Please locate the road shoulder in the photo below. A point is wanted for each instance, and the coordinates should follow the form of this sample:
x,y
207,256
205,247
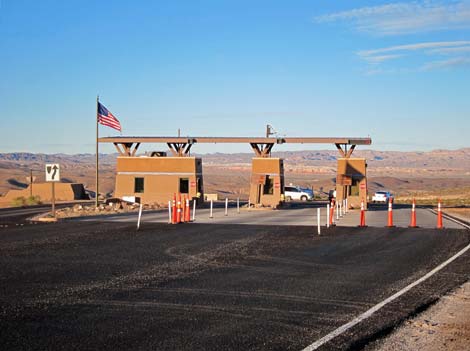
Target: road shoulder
x,y
444,326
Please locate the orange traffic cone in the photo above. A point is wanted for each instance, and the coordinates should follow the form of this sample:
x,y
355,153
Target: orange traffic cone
x,y
439,216
332,213
173,207
178,209
183,209
413,215
188,211
186,208
390,213
363,216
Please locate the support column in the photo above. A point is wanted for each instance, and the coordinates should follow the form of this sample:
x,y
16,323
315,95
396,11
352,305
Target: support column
x,y
181,149
262,150
127,149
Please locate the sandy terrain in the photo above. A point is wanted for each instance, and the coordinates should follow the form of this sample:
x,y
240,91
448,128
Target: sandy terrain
x,y
444,326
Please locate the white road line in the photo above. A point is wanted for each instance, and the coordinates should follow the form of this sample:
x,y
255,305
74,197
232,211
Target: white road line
x,y
377,307
450,218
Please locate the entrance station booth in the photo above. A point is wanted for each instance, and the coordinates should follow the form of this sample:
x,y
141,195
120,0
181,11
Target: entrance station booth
x,y
267,181
351,181
156,179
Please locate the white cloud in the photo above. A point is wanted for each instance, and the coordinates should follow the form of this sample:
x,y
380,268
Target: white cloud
x,y
376,57
405,18
450,51
414,47
447,64
380,58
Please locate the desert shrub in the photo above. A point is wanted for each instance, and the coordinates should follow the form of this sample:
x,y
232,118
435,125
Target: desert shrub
x,y
33,200
29,201
18,201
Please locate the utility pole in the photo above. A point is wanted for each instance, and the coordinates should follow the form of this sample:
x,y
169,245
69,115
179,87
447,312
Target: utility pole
x,y
30,183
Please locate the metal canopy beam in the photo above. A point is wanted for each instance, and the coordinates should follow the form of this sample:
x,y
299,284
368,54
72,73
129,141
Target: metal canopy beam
x,y
257,140
181,146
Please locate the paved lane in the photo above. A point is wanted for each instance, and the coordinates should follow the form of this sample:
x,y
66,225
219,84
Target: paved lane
x,y
378,217
297,215
90,285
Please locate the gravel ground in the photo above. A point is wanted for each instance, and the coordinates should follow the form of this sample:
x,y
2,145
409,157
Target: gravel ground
x,y
445,326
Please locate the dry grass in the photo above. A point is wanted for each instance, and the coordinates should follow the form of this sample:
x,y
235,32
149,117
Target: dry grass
x,y
448,197
463,213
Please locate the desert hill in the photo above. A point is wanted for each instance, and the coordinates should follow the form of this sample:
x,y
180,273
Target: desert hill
x,y
402,172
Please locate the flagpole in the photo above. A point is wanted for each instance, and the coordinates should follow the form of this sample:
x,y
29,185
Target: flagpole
x,y
96,179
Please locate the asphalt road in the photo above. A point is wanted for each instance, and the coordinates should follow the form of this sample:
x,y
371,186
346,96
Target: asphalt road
x,y
296,214
96,285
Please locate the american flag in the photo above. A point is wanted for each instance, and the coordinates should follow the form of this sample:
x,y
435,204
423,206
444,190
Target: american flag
x,y
106,118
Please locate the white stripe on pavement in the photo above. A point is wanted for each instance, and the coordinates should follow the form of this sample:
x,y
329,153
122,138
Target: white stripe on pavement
x,y
377,307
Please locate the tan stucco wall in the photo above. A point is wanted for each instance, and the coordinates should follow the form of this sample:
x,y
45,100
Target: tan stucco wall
x,y
161,177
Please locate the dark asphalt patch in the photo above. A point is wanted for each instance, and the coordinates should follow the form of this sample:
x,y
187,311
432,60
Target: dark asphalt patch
x,y
210,287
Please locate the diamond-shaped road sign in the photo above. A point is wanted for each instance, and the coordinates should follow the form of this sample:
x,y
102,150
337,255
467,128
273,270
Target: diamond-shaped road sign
x,y
52,172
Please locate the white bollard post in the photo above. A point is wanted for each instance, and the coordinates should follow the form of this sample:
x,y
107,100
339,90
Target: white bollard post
x,y
238,205
346,205
140,216
226,206
194,210
210,214
169,212
328,215
249,204
318,220
337,211
341,209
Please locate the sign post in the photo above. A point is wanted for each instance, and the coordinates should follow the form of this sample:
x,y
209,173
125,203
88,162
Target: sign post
x,y
53,176
30,180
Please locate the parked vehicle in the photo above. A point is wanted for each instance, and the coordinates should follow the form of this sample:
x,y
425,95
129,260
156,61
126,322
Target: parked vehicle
x,y
382,196
297,193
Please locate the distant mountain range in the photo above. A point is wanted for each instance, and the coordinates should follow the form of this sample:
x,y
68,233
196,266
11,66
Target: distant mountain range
x,y
455,159
28,157
447,159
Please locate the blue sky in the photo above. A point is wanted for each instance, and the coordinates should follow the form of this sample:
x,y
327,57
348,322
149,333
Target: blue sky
x,y
396,71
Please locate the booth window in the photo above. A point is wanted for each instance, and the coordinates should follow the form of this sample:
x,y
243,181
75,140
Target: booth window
x,y
354,188
268,188
138,185
184,185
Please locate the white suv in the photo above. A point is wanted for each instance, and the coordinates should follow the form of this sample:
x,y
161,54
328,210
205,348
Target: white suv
x,y
382,196
297,193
